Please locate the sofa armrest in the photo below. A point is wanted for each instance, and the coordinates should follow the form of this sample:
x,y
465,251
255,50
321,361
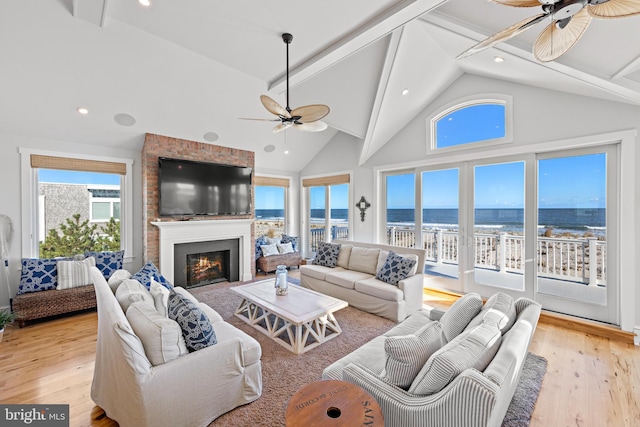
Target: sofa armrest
x,y
412,287
467,401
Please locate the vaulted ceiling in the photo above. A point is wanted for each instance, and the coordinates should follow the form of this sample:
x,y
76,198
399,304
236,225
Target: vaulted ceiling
x,y
186,68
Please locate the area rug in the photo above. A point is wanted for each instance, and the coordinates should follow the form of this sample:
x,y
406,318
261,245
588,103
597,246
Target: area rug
x,y
526,394
283,372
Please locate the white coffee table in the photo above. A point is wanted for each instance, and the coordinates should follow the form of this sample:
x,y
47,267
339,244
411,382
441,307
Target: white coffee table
x,y
299,321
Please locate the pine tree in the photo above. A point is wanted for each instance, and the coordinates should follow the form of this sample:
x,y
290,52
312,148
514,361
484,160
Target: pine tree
x,y
109,238
74,237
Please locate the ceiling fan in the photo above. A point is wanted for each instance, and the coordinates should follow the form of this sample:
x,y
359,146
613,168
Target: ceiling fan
x,y
305,118
569,20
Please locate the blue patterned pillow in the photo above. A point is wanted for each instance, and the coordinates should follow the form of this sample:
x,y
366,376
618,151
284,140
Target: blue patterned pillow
x,y
260,241
150,272
196,327
291,239
395,268
107,262
327,254
39,274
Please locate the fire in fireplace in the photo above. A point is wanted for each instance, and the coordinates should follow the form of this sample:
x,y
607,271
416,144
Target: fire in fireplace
x,y
208,267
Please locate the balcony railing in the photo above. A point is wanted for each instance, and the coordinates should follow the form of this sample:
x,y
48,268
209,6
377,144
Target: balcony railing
x,y
579,260
317,235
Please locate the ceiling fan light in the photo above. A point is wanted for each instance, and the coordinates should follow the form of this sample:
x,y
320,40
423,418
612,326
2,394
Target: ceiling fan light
x,y
405,91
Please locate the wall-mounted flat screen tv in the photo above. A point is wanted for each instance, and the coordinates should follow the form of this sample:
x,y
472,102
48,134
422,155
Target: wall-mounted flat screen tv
x,y
197,188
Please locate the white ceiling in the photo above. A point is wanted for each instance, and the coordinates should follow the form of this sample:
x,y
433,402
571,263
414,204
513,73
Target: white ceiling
x,y
183,68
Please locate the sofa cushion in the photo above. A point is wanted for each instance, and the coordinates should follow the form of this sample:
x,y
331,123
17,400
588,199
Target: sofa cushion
x,y
107,262
196,327
411,324
395,268
471,349
117,277
251,350
160,296
345,278
379,289
150,272
343,256
317,271
39,274
499,302
371,355
290,239
72,274
458,316
130,291
364,259
406,355
161,337
269,249
327,254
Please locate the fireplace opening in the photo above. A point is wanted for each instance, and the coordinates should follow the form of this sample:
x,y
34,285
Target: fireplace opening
x,y
207,268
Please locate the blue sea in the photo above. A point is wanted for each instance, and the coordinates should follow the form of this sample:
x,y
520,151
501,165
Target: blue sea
x,y
577,221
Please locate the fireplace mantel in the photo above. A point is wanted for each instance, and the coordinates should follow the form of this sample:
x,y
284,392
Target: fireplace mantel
x,y
176,232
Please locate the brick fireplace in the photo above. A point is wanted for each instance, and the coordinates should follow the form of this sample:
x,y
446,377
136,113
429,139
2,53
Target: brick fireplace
x,y
202,228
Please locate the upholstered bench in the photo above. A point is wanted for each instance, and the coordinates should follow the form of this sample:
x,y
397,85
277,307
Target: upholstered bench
x,y
269,263
38,305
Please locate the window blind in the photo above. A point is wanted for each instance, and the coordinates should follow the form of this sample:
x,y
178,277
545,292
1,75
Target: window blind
x,y
271,182
326,180
71,164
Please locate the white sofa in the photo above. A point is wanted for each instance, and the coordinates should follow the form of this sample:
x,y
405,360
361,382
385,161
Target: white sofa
x,y
476,373
354,280
192,389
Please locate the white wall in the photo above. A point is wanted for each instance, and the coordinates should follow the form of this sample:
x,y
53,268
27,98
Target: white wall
x,y
10,197
539,116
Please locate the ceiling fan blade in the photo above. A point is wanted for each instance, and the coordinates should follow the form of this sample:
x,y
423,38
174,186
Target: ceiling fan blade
x,y
503,35
261,120
518,3
615,9
310,113
315,126
282,126
273,107
554,42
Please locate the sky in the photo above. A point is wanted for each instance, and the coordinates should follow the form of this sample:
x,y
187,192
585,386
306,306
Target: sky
x,y
73,177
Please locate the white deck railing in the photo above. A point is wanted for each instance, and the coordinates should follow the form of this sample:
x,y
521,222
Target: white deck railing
x,y
577,260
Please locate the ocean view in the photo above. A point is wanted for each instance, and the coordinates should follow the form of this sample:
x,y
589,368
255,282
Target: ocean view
x,y
570,220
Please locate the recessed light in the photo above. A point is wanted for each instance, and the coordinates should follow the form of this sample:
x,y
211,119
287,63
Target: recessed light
x,y
498,59
211,136
124,119
146,3
286,151
405,91
82,110
269,148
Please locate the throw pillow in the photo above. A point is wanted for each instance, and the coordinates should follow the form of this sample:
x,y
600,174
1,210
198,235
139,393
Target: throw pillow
x,y
272,240
259,242
161,337
131,291
72,274
364,260
117,277
499,302
160,296
107,262
471,349
291,239
395,269
196,327
38,274
268,250
406,355
327,254
285,248
458,316
148,273
343,256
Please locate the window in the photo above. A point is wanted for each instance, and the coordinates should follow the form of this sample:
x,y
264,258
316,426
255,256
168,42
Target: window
x,y
271,206
69,198
472,122
328,209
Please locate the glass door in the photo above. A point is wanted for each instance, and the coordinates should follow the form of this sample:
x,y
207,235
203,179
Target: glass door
x,y
576,204
400,193
496,237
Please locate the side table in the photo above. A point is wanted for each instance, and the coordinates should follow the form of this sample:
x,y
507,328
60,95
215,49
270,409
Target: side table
x,y
333,403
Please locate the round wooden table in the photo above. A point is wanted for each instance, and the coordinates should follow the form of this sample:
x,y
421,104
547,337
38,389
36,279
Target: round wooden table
x,y
333,403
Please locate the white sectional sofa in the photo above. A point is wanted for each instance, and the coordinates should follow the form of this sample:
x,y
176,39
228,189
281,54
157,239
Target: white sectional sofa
x,y
353,279
146,377
464,374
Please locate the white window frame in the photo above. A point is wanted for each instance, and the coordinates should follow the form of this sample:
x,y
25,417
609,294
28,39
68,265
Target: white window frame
x,y
30,200
109,200
480,99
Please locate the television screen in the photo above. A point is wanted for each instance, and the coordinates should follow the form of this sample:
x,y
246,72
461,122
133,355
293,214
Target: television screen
x,y
198,188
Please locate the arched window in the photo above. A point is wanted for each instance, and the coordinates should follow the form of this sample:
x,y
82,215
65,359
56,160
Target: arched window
x,y
478,121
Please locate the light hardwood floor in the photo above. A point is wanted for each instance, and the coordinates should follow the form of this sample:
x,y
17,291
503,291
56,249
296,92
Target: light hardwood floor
x,y
590,381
